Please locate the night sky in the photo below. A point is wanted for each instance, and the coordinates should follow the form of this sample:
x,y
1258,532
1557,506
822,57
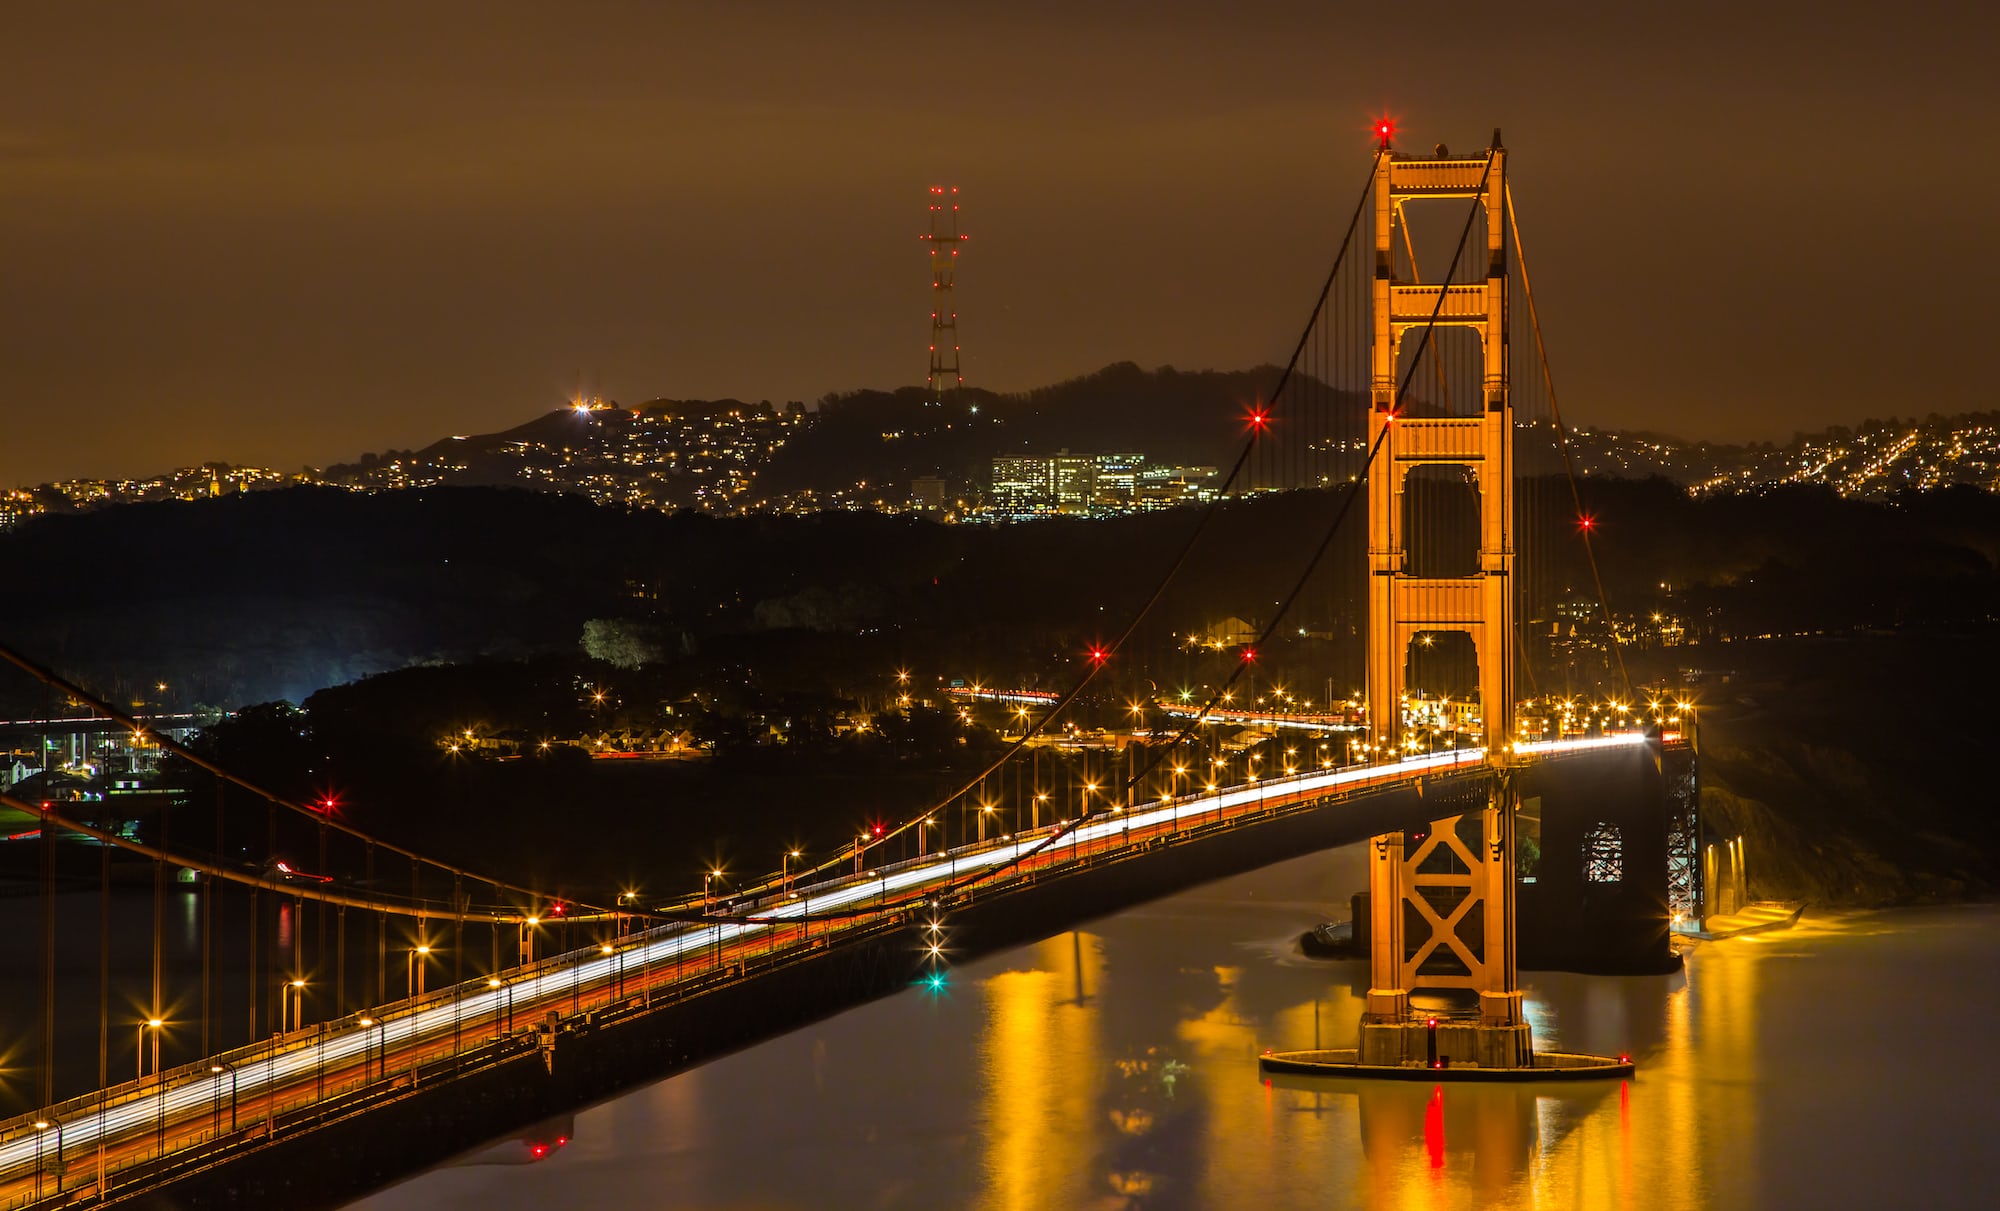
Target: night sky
x,y
281,234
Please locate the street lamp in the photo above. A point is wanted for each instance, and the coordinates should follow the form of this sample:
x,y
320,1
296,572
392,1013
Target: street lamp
x,y
383,1034
617,958
785,869
139,1045
707,879
291,1005
42,1124
414,969
216,1070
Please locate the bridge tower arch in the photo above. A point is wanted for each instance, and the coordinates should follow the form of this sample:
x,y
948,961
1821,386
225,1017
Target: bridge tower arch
x,y
1456,882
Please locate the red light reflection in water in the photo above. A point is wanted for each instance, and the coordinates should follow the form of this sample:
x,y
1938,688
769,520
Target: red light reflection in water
x,y
1434,1127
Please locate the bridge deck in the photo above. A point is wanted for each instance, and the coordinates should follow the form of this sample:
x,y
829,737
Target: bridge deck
x,y
244,1098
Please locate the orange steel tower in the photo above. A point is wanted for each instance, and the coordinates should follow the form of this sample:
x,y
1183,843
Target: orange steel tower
x,y
944,239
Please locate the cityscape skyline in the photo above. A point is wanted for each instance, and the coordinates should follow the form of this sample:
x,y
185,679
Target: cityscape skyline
x,y
707,455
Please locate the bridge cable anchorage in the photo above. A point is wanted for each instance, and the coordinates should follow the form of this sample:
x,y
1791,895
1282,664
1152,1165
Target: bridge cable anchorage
x,y
1202,521
54,680
1562,441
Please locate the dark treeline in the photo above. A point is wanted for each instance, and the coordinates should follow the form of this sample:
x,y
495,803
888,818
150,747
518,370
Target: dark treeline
x,y
276,595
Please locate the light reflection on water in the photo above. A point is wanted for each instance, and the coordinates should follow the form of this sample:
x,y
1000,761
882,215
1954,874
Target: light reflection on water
x,y
1115,1067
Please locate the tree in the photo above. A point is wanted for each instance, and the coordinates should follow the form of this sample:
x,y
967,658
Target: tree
x,y
622,642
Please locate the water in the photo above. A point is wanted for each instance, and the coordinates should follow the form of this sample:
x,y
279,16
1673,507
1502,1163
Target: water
x,y
1846,1063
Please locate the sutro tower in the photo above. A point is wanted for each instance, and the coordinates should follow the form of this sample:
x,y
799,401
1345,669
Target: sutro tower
x,y
944,240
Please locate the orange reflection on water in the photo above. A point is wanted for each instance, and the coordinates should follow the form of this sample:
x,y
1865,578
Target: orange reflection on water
x,y
1041,1062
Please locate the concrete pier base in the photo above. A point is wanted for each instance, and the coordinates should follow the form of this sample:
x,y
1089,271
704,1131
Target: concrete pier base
x,y
1446,1042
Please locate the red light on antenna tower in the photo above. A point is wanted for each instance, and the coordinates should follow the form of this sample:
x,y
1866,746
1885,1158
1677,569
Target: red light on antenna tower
x,y
1385,132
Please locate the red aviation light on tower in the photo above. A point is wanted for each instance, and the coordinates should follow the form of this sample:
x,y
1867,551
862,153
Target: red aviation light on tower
x,y
1384,129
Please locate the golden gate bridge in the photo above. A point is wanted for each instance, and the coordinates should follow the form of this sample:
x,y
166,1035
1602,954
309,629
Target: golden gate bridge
x,y
1399,407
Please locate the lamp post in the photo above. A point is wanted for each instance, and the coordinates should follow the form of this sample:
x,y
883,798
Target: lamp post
x,y
291,1004
527,939
414,969
1082,814
159,1082
367,1055
139,1046
217,1070
646,971
785,869
617,958
41,1125
506,990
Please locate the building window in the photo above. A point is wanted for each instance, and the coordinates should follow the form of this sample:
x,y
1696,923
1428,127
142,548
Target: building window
x,y
1603,854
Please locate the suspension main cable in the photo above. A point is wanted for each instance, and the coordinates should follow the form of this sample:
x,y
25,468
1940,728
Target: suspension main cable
x,y
1101,656
1562,443
48,814
1354,488
55,680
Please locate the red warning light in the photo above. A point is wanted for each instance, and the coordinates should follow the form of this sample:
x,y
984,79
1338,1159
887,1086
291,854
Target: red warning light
x,y
1249,655
1259,419
1586,523
1099,655
1385,132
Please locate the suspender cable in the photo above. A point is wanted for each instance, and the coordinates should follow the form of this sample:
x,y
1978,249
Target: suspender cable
x,y
1562,443
1319,552
1101,656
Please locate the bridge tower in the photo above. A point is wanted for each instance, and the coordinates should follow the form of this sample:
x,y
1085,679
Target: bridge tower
x,y
1454,882
1402,606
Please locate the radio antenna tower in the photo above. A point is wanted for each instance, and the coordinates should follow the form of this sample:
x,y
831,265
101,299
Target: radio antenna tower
x,y
944,239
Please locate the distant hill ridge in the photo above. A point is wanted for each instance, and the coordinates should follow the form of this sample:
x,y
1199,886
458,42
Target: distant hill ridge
x,y
853,445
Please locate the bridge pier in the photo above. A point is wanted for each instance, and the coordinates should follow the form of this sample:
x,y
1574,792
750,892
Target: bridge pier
x,y
1457,886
